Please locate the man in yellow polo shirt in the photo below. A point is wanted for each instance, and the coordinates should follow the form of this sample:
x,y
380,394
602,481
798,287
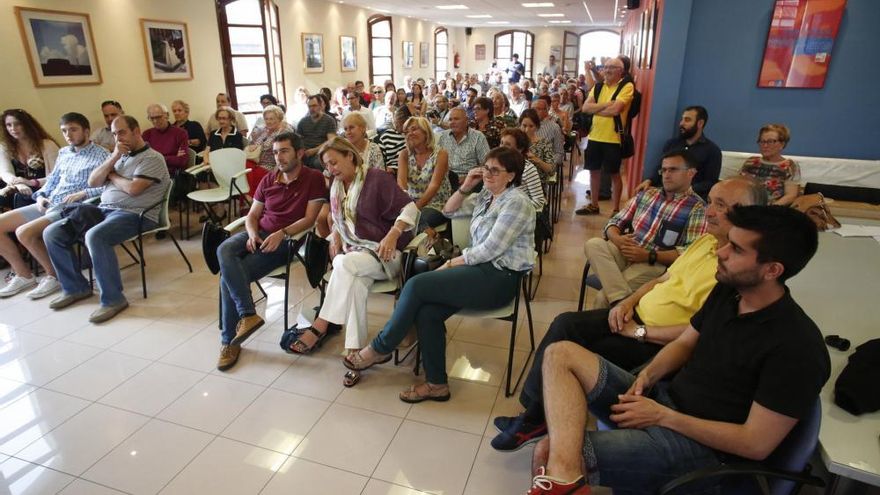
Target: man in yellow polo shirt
x,y
603,142
632,332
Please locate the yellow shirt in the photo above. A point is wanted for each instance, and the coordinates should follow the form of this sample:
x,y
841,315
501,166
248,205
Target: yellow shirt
x,y
603,127
691,278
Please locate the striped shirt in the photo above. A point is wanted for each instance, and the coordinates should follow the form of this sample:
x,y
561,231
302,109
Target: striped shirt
x,y
466,154
392,143
661,223
502,231
550,131
531,185
71,173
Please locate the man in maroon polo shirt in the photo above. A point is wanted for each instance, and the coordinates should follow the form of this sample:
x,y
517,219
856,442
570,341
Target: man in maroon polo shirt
x,y
286,202
163,137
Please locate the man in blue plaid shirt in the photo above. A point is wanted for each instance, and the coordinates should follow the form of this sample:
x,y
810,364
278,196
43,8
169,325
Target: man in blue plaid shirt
x,y
67,183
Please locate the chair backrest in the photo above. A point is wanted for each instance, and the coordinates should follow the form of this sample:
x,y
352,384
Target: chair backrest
x,y
796,449
164,222
227,162
190,157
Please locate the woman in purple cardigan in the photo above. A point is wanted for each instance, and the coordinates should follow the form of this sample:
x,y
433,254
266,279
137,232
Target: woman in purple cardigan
x,y
370,219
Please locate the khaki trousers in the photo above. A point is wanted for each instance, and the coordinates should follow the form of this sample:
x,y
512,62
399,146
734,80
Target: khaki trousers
x,y
618,276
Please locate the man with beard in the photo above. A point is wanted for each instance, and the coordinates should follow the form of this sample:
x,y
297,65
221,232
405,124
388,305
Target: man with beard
x,y
749,366
315,128
286,202
706,153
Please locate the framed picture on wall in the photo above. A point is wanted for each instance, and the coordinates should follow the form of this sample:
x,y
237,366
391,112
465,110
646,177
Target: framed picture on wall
x,y
166,48
479,52
59,46
313,52
348,53
408,54
423,54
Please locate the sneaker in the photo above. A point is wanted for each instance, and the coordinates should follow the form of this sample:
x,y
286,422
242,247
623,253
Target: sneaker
x,y
518,434
503,422
65,300
590,209
49,285
547,485
228,356
246,327
105,313
16,285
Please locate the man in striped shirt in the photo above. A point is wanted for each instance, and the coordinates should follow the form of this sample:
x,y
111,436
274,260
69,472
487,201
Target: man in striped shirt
x,y
68,183
649,233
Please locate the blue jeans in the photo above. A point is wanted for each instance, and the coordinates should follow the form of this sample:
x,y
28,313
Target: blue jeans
x,y
429,299
238,268
632,460
117,227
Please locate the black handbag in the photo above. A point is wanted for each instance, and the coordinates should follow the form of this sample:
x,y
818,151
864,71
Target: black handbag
x,y
316,257
444,251
212,236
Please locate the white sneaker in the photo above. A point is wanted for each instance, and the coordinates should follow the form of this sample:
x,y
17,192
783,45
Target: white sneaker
x,y
16,285
49,285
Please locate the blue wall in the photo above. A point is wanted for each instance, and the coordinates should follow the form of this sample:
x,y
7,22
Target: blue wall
x,y
725,45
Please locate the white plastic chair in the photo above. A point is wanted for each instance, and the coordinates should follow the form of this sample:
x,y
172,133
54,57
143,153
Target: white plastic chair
x,y
228,166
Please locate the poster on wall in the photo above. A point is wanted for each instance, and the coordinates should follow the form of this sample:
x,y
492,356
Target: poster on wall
x,y
166,48
348,53
313,52
799,43
423,54
409,48
59,46
479,52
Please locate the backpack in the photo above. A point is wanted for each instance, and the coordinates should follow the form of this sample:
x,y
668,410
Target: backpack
x,y
627,144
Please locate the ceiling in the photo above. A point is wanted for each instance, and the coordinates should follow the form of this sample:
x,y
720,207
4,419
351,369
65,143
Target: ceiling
x,y
504,13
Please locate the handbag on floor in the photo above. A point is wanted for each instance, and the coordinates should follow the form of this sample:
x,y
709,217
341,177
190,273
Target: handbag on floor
x,y
814,206
212,236
316,257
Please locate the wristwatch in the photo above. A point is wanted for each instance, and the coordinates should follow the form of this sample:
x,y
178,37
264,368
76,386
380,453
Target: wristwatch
x,y
652,256
641,333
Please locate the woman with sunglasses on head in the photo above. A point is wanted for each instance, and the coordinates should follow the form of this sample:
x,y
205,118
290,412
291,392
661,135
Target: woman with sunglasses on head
x,y
485,276
27,156
781,176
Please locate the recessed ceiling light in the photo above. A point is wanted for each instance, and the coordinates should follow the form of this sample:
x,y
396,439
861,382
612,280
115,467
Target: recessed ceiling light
x,y
497,22
551,15
533,5
479,16
453,7
560,22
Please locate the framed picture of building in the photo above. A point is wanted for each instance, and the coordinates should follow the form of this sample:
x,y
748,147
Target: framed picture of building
x,y
313,52
166,48
408,54
423,54
60,47
348,53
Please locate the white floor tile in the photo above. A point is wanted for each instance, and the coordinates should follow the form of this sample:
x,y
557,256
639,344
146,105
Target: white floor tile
x,y
376,487
82,440
478,363
153,389
15,344
42,366
105,336
211,404
83,487
303,477
11,391
198,353
349,438
317,375
18,477
33,416
58,324
155,340
226,467
468,409
500,473
98,375
429,458
378,390
277,420
149,459
260,363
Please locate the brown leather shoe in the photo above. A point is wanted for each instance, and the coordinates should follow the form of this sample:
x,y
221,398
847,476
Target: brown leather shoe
x,y
228,356
246,327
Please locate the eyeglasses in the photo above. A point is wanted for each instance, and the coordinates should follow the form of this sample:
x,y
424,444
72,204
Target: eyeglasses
x,y
492,171
769,141
155,117
378,92
670,170
611,67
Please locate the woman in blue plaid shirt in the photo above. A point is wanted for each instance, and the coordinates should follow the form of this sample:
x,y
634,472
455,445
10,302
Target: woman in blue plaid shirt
x,y
485,276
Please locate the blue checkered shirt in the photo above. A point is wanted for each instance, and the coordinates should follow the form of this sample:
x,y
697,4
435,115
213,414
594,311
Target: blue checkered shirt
x,y
502,231
467,154
71,173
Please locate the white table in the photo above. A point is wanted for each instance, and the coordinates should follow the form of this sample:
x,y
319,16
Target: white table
x,y
839,290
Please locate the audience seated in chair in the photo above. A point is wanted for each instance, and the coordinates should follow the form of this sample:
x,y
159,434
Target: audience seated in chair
x,y
780,175
238,118
27,156
638,326
196,134
286,202
134,178
485,276
664,222
104,136
467,147
172,142
422,172
67,184
750,366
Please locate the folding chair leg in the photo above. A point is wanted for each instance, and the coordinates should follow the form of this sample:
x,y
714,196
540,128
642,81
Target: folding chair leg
x,y
583,293
507,390
179,250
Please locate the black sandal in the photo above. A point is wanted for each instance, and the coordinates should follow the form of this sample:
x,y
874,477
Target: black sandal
x,y
351,378
300,347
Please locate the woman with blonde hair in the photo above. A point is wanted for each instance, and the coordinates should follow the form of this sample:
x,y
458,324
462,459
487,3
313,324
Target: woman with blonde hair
x,y
355,127
781,176
194,130
261,144
422,172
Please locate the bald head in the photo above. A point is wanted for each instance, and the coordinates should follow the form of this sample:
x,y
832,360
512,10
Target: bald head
x,y
736,191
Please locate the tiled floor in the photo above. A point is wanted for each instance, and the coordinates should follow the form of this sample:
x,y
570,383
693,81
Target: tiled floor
x,y
136,405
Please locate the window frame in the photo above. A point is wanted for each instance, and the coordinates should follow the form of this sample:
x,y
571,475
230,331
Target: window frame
x,y
371,21
528,62
437,76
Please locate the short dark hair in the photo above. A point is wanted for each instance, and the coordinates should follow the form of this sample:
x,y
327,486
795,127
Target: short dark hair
x,y
787,236
531,114
358,82
515,55
293,138
471,89
316,96
487,104
702,113
267,96
687,156
511,159
546,99
111,102
519,136
76,118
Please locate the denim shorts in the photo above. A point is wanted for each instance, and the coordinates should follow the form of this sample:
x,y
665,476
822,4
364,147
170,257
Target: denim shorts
x,y
32,212
636,460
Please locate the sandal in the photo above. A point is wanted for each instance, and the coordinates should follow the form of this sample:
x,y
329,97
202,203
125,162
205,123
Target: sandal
x,y
300,347
351,378
355,362
439,393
